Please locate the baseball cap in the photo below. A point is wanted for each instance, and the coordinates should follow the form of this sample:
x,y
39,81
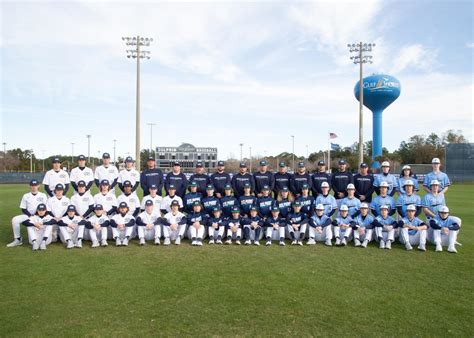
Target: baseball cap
x,y
435,160
81,158
81,183
215,209
305,186
242,165
301,165
444,209
148,203
297,204
384,207
123,205
151,158
275,208
364,165
56,160
176,163
59,186
341,162
282,165
383,184
172,187
196,203
434,182
41,206
71,208
235,210
325,185
193,184
406,166
321,163
209,187
174,202
34,182
129,159
153,186
319,207
98,207
344,208
364,206
220,163
253,208
408,182
104,182
385,164
227,187
350,186
284,189
199,165
411,207
247,185
127,184
263,163
265,187
105,155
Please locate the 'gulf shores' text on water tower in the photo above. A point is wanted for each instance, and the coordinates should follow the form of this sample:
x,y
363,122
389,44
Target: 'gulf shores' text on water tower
x,y
379,92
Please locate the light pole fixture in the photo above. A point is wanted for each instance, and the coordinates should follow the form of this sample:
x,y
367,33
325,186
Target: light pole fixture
x,y
115,143
293,151
241,145
88,148
4,156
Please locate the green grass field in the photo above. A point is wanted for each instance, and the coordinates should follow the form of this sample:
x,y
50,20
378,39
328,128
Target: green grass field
x,y
230,290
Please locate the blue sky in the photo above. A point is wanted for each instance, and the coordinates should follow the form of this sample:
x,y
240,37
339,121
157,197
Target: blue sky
x,y
224,73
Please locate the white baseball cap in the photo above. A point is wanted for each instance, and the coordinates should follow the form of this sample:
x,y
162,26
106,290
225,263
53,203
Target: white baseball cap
x,y
408,182
411,207
406,166
320,207
350,186
444,209
385,164
383,184
435,160
325,185
384,206
434,182
364,206
344,208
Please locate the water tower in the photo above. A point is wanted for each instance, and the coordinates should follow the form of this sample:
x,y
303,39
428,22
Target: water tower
x,y
379,92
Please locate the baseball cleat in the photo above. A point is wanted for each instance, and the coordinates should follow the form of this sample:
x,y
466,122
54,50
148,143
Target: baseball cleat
x,y
118,242
157,241
421,248
365,243
16,242
408,246
177,241
142,241
125,242
42,246
388,245
300,243
104,243
219,241
382,244
257,243
35,245
194,243
70,244
439,248
237,242
294,242
79,243
338,242
268,243
229,241
311,241
95,244
199,243
248,242
167,241
328,242
282,243
344,242
356,242
211,241
452,249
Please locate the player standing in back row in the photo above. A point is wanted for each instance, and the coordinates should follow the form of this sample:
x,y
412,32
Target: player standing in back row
x,y
220,179
82,173
106,171
176,179
54,177
340,180
151,176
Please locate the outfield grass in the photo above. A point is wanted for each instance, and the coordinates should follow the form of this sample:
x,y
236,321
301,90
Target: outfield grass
x,y
222,290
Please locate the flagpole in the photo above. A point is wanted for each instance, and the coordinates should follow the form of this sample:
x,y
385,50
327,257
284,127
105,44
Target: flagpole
x,y
329,152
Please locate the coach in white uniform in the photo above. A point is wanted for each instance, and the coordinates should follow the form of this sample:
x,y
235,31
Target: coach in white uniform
x,y
28,205
106,171
82,173
54,177
129,174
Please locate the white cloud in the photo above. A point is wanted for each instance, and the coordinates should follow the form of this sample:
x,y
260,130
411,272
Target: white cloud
x,y
415,57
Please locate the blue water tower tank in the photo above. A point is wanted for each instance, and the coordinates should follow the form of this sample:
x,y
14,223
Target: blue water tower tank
x,y
380,91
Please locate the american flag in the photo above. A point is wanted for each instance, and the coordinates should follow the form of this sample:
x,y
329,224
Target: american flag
x,y
332,135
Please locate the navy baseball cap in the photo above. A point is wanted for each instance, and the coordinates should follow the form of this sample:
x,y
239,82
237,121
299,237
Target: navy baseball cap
x,y
174,202
81,183
199,165
196,203
242,165
297,204
215,209
127,184
275,208
193,184
176,163
59,186
282,164
151,158
364,165
235,210
34,182
321,163
148,203
220,164
98,207
227,187
305,186
341,162
210,187
172,187
81,158
263,163
153,186
71,208
247,185
41,206
129,159
123,205
104,182
105,155
265,187
253,208
285,189
300,164
56,160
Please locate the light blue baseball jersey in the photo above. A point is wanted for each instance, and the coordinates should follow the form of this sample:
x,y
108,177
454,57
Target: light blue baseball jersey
x,y
378,201
352,203
402,180
364,222
414,222
441,177
343,220
385,221
449,222
328,201
404,201
432,202
389,178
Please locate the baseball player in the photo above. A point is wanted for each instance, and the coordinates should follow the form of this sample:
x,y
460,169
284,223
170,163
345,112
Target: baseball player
x,y
296,222
386,176
319,177
383,199
168,200
438,175
130,198
97,225
228,202
339,181
174,224
328,201
220,179
83,200
210,201
28,205
282,178
39,228
306,201
351,201
247,200
151,176
275,227
444,230
364,184
202,180
263,178
216,226
408,198
106,171
191,197
413,230
342,226
71,228
234,226
54,177
299,178
406,175
241,179
176,179
57,207
284,201
106,198
123,225
149,224
433,201
265,202
253,227
197,220
81,173
385,227
154,197
129,174
320,227
364,227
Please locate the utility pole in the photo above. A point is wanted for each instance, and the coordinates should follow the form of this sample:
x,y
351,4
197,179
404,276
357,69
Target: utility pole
x,y
360,59
115,142
31,161
72,153
88,148
250,158
4,156
151,137
307,155
137,54
241,145
293,151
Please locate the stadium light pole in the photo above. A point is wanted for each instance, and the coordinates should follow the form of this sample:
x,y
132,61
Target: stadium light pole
x,y
4,156
115,143
307,156
88,148
151,136
360,58
241,145
31,161
72,152
138,54
250,158
293,151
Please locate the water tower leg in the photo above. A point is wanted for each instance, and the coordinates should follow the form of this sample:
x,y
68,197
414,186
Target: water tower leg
x,y
377,137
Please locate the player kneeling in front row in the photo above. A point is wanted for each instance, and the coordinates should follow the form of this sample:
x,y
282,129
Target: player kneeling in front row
x,y
297,222
413,230
343,225
97,225
197,222
275,227
40,227
253,227
123,225
364,227
234,226
216,226
320,227
149,224
444,230
174,224
71,228
385,228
